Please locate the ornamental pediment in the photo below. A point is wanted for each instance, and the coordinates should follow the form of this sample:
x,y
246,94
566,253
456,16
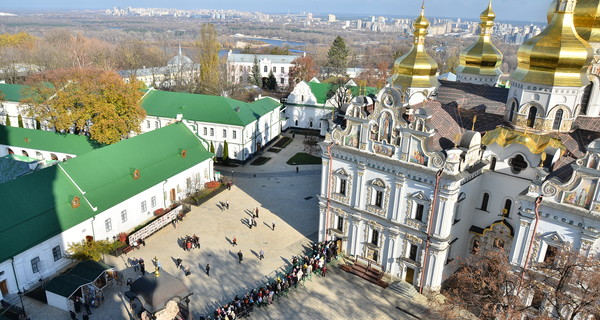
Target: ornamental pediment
x,y
554,237
420,195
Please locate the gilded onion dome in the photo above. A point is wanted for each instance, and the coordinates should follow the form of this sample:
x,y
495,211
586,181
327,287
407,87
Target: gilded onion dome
x,y
558,56
586,19
482,58
416,69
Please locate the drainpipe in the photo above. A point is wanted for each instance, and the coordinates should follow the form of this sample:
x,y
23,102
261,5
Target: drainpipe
x,y
538,202
328,191
15,273
436,191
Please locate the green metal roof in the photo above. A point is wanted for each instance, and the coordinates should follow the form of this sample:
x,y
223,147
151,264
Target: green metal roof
x,y
83,273
39,204
321,90
46,140
12,92
205,108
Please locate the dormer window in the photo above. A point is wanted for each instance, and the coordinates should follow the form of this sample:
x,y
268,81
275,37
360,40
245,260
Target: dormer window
x,y
183,153
136,174
75,202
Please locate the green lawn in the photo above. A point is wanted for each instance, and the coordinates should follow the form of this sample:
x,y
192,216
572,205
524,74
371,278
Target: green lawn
x,y
303,158
283,142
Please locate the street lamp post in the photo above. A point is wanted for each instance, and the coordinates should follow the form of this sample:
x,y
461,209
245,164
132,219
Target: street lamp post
x,y
22,305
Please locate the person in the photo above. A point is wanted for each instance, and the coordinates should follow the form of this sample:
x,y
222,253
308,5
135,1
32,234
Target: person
x,y
324,270
142,267
227,204
129,281
73,315
273,224
135,263
87,306
77,304
187,270
178,262
86,317
261,254
297,169
229,185
208,269
251,223
256,212
240,256
234,241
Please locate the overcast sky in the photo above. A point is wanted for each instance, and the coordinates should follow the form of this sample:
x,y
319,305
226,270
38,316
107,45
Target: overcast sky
x,y
521,10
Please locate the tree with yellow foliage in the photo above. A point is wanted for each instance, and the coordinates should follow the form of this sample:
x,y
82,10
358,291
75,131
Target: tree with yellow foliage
x,y
86,101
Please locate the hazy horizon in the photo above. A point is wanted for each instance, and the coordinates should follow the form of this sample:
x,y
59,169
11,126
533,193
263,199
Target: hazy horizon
x,y
506,10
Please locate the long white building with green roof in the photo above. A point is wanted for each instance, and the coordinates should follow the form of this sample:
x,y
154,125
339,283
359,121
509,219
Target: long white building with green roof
x,y
10,106
247,127
98,193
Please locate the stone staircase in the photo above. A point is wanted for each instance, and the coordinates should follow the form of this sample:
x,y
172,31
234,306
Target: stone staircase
x,y
403,288
366,272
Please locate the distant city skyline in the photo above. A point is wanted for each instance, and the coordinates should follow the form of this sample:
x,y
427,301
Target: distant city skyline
x,y
506,10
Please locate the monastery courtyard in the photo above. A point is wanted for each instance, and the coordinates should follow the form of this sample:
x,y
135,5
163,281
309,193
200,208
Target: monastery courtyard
x,y
283,196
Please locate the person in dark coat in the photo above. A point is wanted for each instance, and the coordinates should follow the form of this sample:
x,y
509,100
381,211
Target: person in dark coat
x,y
240,256
208,269
77,304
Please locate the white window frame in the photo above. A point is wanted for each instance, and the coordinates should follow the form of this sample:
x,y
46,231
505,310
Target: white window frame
x,y
35,264
124,216
144,207
108,225
153,202
56,252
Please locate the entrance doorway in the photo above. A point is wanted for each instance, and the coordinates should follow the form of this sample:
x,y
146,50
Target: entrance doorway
x,y
410,275
173,195
338,244
3,287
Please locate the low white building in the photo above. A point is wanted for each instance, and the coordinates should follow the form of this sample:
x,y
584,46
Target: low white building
x,y
246,127
97,194
311,105
10,106
239,67
180,70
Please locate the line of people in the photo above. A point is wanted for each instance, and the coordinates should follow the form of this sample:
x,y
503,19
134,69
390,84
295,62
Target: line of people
x,y
300,269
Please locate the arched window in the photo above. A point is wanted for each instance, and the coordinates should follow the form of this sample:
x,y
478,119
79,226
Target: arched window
x,y
53,156
531,117
266,69
9,150
513,108
517,164
25,153
484,201
557,119
493,164
506,210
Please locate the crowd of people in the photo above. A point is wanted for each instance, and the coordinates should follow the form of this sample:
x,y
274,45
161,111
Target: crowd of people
x,y
190,242
301,269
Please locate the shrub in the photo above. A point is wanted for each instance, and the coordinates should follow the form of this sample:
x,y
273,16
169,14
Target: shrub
x,y
122,237
212,184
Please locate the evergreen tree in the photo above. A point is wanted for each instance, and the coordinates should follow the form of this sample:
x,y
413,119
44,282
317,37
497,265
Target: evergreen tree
x,y
212,149
209,80
337,57
271,82
255,77
20,121
225,151
7,122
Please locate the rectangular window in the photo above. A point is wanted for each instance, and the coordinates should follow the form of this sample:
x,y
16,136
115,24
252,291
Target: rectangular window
x,y
379,198
340,224
148,124
108,224
56,253
123,216
551,252
234,134
412,253
153,201
282,69
35,264
343,186
224,133
274,69
144,207
212,132
419,212
375,237
155,124
282,81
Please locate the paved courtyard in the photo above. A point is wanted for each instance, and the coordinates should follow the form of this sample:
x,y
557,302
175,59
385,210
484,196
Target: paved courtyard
x,y
283,196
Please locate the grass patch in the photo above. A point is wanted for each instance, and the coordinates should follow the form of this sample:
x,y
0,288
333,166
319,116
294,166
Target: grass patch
x,y
260,161
274,150
303,158
283,142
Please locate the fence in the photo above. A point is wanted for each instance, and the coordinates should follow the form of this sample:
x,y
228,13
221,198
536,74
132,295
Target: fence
x,y
155,225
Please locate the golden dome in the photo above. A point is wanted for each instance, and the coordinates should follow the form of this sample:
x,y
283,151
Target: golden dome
x,y
482,57
416,69
556,57
587,19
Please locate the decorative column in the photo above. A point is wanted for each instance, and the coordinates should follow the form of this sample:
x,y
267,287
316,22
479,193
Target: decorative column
x,y
521,242
396,209
358,186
